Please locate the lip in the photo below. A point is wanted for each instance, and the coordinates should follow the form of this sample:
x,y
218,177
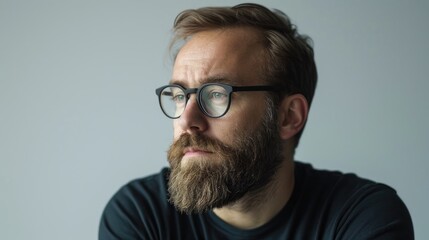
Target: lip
x,y
195,151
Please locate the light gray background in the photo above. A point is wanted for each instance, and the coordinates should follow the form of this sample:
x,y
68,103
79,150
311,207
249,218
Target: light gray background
x,y
79,117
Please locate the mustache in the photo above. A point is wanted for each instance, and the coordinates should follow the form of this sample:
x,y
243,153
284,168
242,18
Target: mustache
x,y
197,141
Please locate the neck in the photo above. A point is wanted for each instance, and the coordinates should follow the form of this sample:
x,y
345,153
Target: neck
x,y
256,209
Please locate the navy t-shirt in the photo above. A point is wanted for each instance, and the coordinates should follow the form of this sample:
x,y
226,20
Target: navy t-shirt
x,y
323,205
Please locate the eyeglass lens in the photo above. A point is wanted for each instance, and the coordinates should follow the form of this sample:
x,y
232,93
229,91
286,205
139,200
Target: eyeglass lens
x,y
213,100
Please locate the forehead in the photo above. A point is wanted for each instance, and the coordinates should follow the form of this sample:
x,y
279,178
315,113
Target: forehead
x,y
233,55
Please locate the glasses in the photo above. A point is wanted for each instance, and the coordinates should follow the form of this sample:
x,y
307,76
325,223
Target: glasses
x,y
213,99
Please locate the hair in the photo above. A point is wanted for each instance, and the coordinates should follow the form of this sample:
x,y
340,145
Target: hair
x,y
289,64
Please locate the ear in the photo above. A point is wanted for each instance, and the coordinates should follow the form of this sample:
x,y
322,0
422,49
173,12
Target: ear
x,y
293,112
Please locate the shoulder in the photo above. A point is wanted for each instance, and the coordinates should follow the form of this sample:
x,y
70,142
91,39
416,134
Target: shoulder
x,y
136,206
354,207
153,186
338,185
144,191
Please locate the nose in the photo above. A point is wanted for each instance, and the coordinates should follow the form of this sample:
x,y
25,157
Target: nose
x,y
192,119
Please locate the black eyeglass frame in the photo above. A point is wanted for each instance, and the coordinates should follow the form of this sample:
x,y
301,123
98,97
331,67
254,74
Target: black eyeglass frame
x,y
229,89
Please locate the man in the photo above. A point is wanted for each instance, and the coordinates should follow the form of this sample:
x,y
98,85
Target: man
x,y
242,84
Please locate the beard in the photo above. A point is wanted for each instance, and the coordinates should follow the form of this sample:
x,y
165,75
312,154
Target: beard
x,y
229,172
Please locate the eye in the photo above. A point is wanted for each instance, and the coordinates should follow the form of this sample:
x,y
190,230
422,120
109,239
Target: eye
x,y
179,98
217,97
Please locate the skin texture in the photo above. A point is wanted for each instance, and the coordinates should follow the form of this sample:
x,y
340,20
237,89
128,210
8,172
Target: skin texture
x,y
235,56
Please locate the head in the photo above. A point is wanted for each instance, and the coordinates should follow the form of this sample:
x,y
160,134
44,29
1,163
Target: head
x,y
216,161
288,56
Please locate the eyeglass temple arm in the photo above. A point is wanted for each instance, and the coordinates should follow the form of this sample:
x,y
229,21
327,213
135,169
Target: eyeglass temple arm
x,y
255,88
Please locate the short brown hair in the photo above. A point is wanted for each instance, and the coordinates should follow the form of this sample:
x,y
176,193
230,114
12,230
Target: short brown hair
x,y
289,56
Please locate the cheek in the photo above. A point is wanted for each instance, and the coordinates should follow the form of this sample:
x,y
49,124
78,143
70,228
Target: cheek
x,y
241,120
229,129
248,118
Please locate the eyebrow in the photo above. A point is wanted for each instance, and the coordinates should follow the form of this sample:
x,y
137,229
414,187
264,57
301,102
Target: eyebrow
x,y
212,79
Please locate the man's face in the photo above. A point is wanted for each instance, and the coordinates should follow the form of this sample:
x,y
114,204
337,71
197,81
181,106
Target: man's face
x,y
216,161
